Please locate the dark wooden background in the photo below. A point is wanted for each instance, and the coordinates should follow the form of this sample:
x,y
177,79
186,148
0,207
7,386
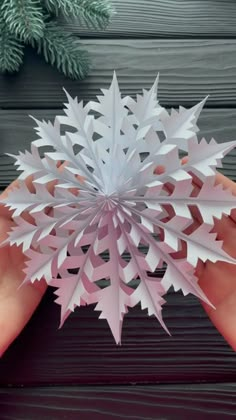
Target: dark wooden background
x,y
78,372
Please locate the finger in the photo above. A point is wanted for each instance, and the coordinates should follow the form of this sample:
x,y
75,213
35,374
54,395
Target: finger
x,y
228,184
218,283
218,280
16,308
16,303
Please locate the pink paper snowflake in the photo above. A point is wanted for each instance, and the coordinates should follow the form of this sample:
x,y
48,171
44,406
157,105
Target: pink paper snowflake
x,y
107,205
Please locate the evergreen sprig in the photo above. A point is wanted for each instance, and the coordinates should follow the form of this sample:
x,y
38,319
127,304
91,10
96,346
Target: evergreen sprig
x,y
24,18
62,50
93,12
11,51
35,22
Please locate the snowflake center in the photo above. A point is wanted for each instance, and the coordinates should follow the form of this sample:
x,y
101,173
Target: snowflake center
x,y
107,202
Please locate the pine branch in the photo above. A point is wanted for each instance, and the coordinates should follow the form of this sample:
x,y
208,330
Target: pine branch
x,y
24,18
61,49
11,50
30,21
96,13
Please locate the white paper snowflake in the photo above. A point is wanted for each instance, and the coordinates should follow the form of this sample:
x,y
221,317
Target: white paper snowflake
x,y
107,204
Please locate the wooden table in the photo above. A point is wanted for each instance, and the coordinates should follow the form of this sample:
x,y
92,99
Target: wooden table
x,y
78,372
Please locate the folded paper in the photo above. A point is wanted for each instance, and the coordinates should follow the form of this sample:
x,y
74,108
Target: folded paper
x,y
111,202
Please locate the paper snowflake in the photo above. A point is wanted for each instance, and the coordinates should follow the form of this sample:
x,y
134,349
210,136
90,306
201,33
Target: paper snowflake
x,y
100,209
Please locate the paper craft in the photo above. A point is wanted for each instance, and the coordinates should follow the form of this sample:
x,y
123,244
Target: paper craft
x,y
107,188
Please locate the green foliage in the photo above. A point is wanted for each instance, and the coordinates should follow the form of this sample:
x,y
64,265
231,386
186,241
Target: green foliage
x,y
93,12
96,12
34,22
24,18
61,49
11,51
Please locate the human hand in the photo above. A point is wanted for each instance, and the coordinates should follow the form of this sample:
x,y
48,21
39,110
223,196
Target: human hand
x,y
218,280
16,304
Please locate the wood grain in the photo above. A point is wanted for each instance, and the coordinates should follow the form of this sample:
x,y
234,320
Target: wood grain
x,y
84,351
16,133
171,402
167,19
190,70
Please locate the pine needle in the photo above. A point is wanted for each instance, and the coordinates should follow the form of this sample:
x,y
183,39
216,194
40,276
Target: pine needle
x,y
24,18
11,51
96,13
61,49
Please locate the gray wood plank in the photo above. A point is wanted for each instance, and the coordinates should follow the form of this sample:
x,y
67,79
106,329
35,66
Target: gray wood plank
x,y
189,70
167,18
171,402
84,351
16,133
